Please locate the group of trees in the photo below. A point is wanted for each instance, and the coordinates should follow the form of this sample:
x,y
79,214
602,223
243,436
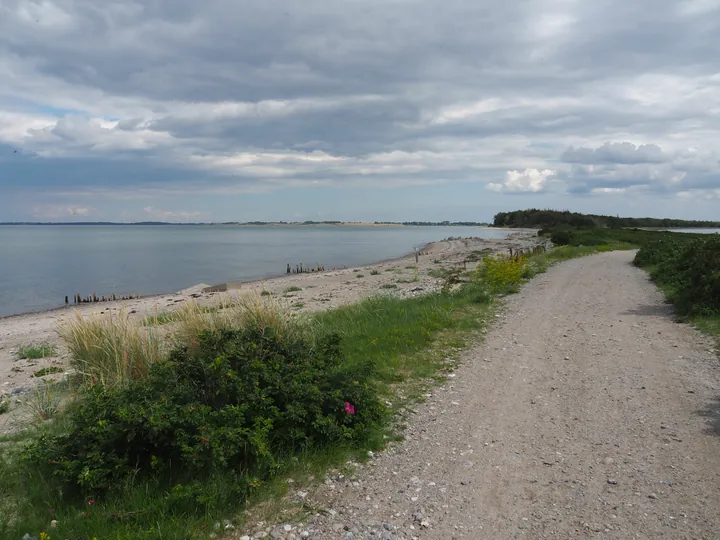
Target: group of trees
x,y
534,218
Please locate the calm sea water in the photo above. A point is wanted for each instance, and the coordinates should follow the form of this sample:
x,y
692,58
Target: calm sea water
x,y
702,231
39,265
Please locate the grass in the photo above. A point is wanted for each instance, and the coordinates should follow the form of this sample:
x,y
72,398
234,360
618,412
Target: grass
x,y
709,325
359,275
292,289
50,370
388,286
36,352
375,273
169,317
266,293
4,405
234,313
44,402
109,349
412,342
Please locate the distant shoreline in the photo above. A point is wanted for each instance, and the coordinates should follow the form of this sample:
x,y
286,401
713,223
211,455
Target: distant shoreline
x,y
257,224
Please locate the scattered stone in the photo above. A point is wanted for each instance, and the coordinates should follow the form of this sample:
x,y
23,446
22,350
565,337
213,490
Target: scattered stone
x,y
53,524
304,534
608,461
287,528
612,481
246,537
260,534
415,480
652,496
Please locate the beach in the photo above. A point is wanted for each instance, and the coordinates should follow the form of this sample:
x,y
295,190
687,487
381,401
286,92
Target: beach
x,y
401,277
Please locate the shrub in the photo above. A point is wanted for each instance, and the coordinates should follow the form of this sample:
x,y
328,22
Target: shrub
x,y
109,350
375,272
236,402
502,274
561,238
659,251
692,275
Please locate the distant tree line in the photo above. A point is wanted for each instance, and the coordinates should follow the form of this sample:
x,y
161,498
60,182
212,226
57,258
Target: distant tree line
x,y
535,218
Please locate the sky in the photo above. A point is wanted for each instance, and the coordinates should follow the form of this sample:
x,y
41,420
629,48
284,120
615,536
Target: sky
x,y
389,110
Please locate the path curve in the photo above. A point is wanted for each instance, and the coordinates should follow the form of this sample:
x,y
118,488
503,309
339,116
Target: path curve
x,y
587,412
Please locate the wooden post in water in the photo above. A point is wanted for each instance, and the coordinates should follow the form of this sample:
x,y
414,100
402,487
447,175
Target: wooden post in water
x,y
66,301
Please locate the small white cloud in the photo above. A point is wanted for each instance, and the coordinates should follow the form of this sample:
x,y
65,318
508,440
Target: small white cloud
x,y
528,181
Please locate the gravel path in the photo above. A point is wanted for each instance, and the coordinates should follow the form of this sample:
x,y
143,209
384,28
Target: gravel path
x,y
587,412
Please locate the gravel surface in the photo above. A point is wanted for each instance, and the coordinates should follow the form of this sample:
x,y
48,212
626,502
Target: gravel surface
x,y
587,412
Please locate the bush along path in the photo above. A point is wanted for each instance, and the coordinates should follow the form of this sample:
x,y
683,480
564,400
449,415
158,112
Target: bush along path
x,y
587,412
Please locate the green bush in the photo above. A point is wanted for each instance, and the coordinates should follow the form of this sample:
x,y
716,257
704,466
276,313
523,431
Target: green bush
x,y
659,251
235,403
689,272
561,238
502,274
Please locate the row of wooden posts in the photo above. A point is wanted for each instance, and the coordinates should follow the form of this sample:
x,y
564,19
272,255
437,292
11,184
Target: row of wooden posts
x,y
299,269
94,298
306,270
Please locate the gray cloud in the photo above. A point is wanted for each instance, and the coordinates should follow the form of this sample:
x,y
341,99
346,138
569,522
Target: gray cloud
x,y
622,153
600,97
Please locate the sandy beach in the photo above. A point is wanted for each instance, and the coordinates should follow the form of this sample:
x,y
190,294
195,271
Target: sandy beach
x,y
320,290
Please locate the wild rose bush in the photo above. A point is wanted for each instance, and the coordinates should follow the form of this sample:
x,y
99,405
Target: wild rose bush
x,y
234,403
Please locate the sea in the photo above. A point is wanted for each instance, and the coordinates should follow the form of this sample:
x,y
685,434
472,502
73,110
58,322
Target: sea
x,y
41,264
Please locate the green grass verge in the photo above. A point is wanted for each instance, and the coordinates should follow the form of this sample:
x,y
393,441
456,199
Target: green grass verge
x,y
36,352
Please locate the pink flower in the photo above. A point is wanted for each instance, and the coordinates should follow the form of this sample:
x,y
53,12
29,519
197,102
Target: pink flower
x,y
349,408
91,502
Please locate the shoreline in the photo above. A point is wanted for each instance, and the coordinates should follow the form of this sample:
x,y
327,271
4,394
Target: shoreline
x,y
303,293
197,287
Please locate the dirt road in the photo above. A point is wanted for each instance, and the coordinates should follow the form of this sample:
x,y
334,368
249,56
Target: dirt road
x,y
586,413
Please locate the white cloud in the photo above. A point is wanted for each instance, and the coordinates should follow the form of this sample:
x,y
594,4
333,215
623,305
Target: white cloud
x,y
528,181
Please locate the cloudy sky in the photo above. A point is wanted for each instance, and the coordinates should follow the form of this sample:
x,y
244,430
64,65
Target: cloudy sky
x,y
218,110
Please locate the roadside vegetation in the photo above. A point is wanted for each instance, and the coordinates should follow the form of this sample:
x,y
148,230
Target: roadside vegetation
x,y
685,266
163,436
